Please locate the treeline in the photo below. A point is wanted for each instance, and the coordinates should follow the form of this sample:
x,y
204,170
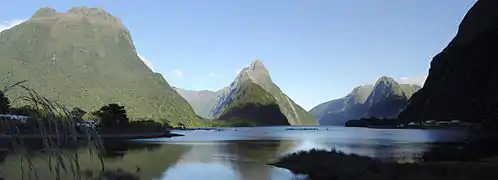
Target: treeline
x,y
373,121
50,117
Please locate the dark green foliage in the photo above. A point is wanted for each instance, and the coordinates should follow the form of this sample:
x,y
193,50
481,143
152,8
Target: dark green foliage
x,y
52,127
327,165
255,104
118,174
4,104
269,93
242,123
24,111
373,122
87,61
145,126
260,115
78,114
113,116
232,123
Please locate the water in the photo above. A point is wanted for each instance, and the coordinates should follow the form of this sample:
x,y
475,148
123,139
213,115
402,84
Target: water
x,y
242,153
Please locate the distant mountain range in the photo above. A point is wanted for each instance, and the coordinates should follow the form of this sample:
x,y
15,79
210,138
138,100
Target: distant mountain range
x,y
253,97
202,101
386,98
86,58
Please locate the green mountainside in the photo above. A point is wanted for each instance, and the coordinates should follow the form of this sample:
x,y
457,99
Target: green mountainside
x,y
201,101
253,86
386,98
254,104
85,58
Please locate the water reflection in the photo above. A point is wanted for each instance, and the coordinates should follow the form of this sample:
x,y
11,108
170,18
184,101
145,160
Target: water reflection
x,y
242,153
231,159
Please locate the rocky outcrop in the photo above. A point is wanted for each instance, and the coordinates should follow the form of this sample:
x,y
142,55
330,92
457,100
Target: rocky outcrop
x,y
385,99
253,91
463,78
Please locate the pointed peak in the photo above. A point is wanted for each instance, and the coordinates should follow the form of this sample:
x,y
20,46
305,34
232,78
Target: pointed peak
x,y
257,64
385,79
256,71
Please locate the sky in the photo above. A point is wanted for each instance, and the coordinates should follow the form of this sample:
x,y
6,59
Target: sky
x,y
315,50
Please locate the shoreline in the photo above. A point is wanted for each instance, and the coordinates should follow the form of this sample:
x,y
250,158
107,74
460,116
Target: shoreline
x,y
325,165
119,136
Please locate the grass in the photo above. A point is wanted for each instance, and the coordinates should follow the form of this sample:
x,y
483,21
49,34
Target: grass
x,y
55,120
330,165
52,119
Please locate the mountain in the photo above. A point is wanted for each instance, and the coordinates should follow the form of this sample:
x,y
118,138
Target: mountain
x,y
201,101
463,78
386,98
254,97
85,58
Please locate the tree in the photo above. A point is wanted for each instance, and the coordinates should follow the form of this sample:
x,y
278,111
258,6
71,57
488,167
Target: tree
x,y
78,114
113,115
25,110
4,104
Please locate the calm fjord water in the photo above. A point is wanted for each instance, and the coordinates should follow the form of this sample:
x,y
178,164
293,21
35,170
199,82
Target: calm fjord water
x,y
242,153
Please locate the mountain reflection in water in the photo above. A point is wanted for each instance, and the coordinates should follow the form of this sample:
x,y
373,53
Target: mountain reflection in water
x,y
242,153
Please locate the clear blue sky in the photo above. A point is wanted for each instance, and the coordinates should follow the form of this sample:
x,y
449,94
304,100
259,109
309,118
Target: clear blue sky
x,y
316,50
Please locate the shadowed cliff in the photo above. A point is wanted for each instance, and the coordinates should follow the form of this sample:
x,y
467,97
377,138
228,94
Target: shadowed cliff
x,y
463,78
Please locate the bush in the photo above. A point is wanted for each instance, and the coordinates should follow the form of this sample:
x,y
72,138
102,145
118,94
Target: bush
x,y
112,116
4,104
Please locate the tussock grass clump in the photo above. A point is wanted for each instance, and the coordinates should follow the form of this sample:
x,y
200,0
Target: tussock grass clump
x,y
331,165
54,126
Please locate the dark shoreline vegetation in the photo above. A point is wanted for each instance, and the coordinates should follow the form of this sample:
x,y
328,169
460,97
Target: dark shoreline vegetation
x,y
396,123
327,165
50,129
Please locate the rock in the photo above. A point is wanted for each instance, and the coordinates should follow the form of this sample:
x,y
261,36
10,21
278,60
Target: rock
x,y
463,78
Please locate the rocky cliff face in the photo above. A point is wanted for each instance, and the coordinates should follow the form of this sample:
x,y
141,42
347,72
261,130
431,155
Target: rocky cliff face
x,y
385,99
254,92
463,78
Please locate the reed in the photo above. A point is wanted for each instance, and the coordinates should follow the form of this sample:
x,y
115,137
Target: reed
x,y
52,119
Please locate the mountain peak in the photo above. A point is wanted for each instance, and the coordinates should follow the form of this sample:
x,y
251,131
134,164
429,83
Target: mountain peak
x,y
257,64
384,88
481,17
93,15
256,71
45,12
90,12
385,79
